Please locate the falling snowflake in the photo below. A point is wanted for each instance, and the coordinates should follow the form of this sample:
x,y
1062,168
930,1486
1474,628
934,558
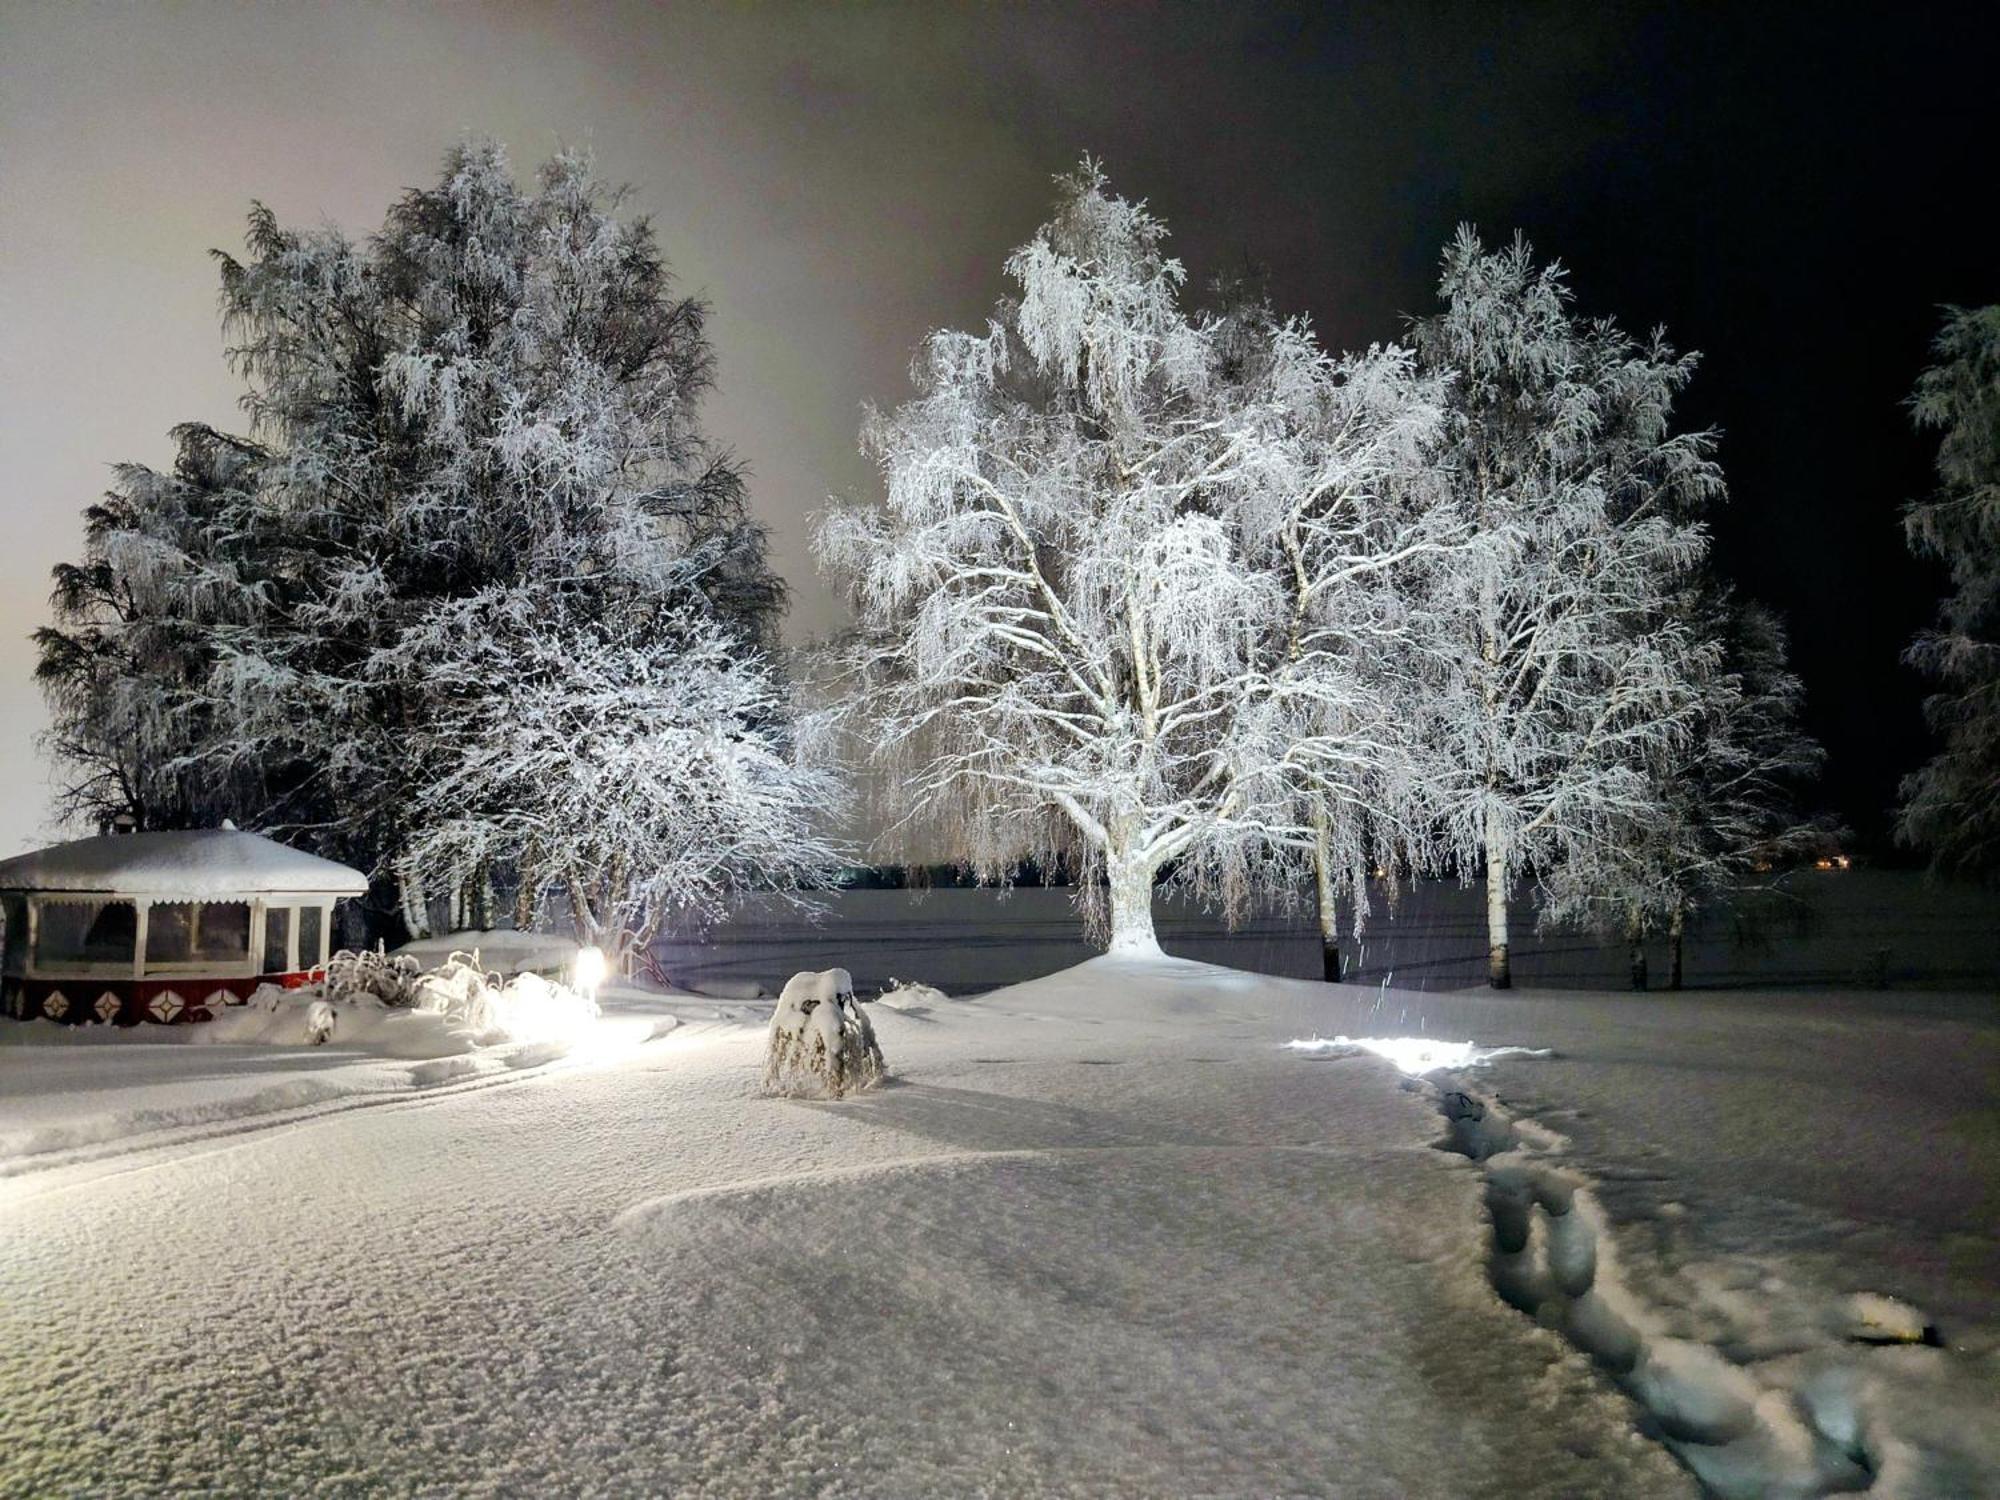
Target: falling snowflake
x,y
107,1007
164,1006
55,1005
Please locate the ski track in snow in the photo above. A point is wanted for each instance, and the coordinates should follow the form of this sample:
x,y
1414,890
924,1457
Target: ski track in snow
x,y
124,1140
1099,1236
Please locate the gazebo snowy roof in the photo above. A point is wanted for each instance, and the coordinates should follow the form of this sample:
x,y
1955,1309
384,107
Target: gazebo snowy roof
x,y
190,865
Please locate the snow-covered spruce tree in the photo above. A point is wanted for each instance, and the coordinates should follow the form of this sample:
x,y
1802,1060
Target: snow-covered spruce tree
x,y
496,396
1725,798
638,762
1135,589
1951,806
1556,673
123,666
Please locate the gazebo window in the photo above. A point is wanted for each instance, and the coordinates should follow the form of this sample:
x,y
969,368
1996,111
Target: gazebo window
x,y
277,938
190,932
311,953
169,932
222,931
86,932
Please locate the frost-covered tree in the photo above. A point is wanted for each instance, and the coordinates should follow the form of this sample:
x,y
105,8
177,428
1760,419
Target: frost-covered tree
x,y
496,397
1952,806
638,766
1136,589
124,664
1725,803
1556,673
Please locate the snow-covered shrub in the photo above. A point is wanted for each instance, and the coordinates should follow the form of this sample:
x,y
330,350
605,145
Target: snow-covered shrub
x,y
468,998
456,988
908,995
821,1041
387,979
531,1008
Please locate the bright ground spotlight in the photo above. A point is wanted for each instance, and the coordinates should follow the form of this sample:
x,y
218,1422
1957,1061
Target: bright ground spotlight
x,y
1414,1055
588,971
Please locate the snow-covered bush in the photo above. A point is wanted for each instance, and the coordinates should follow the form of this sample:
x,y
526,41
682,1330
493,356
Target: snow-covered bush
x,y
821,1041
908,995
465,996
387,979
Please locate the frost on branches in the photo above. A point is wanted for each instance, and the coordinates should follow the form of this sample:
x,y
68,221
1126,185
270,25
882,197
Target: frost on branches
x,y
125,667
1136,595
1952,805
821,1041
1556,671
637,770
483,417
1724,798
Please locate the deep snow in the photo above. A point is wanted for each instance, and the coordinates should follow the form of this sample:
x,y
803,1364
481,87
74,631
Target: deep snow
x,y
1101,1234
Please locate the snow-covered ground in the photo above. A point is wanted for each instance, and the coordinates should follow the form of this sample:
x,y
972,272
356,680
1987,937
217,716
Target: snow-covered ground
x,y
1103,1234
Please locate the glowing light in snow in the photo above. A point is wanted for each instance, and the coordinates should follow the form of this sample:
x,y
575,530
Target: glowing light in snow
x,y
1414,1055
588,971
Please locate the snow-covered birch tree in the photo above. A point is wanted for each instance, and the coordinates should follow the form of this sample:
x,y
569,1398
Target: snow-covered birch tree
x,y
1952,805
1135,587
1724,817
1557,673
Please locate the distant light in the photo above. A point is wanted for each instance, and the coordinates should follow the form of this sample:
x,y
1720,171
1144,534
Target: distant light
x,y
1414,1055
589,970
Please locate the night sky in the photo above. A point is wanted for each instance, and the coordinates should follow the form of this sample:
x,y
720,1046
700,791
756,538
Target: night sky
x,y
1792,192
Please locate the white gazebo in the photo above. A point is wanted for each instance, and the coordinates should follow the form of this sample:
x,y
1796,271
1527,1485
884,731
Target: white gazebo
x,y
162,926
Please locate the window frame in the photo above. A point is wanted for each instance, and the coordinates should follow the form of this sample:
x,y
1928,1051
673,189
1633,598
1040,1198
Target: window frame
x,y
37,966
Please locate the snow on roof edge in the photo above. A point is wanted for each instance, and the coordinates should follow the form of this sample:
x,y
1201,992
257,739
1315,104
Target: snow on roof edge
x,y
188,863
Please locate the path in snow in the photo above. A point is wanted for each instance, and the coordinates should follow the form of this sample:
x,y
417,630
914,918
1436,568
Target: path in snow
x,y
1104,1236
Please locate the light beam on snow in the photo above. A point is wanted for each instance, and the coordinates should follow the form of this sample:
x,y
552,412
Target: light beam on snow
x,y
1414,1055
588,971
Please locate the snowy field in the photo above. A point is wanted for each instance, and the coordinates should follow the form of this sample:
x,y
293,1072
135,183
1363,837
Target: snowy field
x,y
1103,1234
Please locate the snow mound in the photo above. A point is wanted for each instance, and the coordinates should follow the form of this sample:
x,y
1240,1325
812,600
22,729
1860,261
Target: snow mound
x,y
821,1041
502,948
308,1017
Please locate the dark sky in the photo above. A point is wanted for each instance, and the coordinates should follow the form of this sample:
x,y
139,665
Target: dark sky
x,y
1793,192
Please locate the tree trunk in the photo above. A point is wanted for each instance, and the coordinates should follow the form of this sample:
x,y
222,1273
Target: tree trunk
x,y
1329,911
1635,936
1131,881
1499,971
416,909
1675,925
481,898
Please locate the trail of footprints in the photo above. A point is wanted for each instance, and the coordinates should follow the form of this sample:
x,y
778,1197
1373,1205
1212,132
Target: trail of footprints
x,y
1807,1434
